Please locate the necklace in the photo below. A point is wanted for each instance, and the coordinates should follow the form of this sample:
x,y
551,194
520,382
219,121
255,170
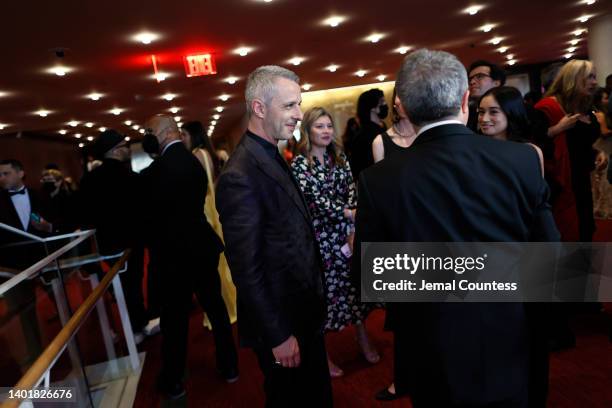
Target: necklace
x,y
397,132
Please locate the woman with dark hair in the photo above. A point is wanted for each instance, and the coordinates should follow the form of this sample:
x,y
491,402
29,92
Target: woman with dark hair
x,y
194,138
398,138
602,190
323,174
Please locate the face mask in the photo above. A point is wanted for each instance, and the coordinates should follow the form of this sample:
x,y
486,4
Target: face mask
x,y
383,111
48,186
150,144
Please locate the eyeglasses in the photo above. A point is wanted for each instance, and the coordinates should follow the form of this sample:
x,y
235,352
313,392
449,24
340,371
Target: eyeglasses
x,y
479,76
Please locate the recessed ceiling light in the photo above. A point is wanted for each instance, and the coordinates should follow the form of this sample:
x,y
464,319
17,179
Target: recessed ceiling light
x,y
90,138
116,111
81,145
160,76
62,131
78,135
487,27
584,18
127,138
231,80
219,109
334,21
73,123
2,126
512,62
145,37
141,131
361,73
574,41
502,49
135,127
495,40
224,97
211,128
374,37
571,49
59,70
306,87
402,50
102,129
169,96
179,124
216,116
510,56
94,96
588,2
3,94
213,122
473,10
128,123
579,31
177,118
296,61
243,51
568,55
89,124
381,77
174,109
42,113
332,68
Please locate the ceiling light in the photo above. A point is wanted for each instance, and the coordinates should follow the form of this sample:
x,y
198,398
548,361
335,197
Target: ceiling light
x,y
127,138
571,49
141,131
90,138
306,87
160,76
3,94
243,51
2,126
381,77
361,73
213,122
102,129
169,96
89,124
510,56
486,28
128,123
495,40
588,2
584,18
59,70
216,117
219,109
42,113
231,80
568,55
135,127
78,135
81,145
211,128
402,50
179,124
174,109
473,10
73,123
224,97
296,61
579,31
177,118
374,37
62,131
512,62
116,111
502,49
94,96
332,68
334,21
145,37
574,41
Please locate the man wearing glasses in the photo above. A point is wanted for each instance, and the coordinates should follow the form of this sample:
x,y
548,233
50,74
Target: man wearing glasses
x,y
483,75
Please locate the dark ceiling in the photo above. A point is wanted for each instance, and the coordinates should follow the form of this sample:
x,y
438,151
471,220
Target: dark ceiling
x,y
96,37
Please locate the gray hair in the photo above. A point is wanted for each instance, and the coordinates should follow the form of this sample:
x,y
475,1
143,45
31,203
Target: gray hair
x,y
260,83
430,85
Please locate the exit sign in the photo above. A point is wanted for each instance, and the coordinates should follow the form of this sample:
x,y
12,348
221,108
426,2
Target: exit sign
x,y
198,65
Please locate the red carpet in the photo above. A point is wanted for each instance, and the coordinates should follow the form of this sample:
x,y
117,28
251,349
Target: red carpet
x,y
581,377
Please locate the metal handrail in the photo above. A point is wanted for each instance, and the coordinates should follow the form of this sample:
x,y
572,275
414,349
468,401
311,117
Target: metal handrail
x,y
49,356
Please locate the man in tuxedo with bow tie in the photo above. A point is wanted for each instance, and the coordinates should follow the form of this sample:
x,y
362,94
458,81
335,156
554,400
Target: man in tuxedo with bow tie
x,y
271,248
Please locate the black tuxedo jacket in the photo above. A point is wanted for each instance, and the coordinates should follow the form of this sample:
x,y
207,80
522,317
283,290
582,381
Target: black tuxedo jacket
x,y
455,185
8,213
176,184
270,247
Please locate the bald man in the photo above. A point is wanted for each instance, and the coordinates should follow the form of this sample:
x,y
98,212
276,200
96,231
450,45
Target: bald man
x,y
188,251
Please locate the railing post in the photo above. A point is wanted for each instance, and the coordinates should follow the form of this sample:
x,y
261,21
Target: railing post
x,y
125,322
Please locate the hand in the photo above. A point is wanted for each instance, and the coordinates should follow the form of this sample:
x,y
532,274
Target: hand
x,y
288,353
42,225
601,161
350,239
350,214
567,122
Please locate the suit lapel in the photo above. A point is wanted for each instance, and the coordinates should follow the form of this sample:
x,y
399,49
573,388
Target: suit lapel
x,y
273,170
11,218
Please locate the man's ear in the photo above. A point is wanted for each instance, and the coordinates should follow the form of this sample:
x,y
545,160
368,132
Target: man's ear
x,y
465,102
497,83
21,174
258,108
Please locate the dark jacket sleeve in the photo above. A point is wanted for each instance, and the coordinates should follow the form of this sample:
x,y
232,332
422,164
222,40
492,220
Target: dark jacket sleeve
x,y
242,218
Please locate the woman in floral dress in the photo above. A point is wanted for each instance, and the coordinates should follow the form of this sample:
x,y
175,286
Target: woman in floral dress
x,y
324,176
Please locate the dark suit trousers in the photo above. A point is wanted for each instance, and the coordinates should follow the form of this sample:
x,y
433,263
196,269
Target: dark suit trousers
x,y
131,281
182,276
308,385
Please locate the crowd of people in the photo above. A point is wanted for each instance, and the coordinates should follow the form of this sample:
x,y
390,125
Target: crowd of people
x,y
291,224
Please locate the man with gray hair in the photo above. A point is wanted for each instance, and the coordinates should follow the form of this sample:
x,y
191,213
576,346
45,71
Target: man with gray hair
x,y
455,186
271,248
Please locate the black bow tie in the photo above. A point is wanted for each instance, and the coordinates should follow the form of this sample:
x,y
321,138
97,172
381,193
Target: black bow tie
x,y
12,193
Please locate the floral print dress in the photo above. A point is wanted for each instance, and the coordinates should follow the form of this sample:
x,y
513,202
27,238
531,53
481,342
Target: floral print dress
x,y
329,189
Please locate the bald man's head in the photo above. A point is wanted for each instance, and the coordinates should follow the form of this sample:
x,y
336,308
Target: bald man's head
x,y
164,128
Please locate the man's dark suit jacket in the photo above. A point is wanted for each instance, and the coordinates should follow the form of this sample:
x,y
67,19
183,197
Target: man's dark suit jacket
x,y
8,213
270,247
177,186
455,185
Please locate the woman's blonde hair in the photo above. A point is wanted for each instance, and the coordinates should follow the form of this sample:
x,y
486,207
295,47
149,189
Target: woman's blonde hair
x,y
569,86
303,147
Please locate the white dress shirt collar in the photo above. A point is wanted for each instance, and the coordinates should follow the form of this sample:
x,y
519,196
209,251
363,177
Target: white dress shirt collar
x,y
436,124
168,145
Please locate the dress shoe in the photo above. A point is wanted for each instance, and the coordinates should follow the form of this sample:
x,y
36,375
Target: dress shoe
x,y
173,391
